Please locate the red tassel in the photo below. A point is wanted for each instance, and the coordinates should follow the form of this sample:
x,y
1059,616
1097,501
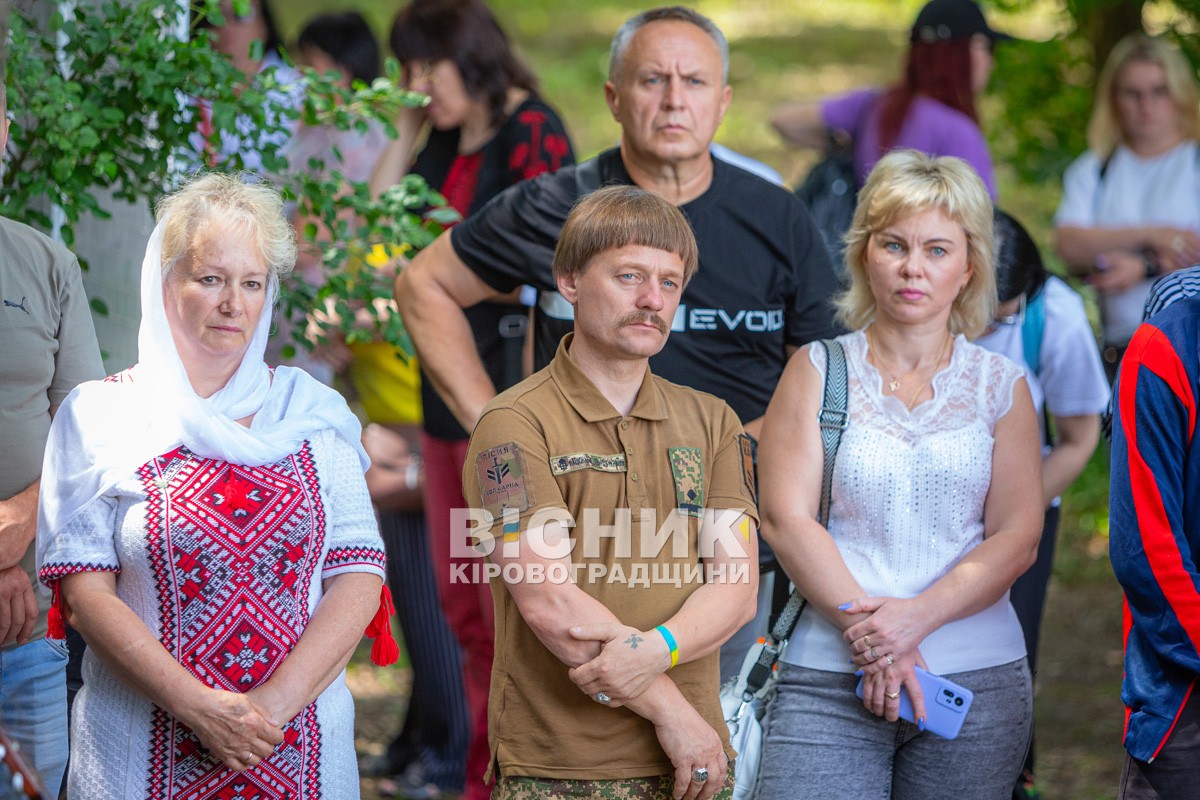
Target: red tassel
x,y
55,627
384,651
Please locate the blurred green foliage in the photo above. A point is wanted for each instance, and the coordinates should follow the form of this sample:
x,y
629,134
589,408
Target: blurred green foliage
x,y
108,97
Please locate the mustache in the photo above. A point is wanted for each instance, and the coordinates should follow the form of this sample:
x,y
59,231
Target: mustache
x,y
643,318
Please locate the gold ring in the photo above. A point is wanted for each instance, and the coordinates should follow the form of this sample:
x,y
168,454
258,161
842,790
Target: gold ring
x,y
867,639
891,695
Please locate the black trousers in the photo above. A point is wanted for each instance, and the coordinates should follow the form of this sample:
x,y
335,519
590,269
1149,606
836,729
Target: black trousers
x,y
436,730
1175,774
1028,597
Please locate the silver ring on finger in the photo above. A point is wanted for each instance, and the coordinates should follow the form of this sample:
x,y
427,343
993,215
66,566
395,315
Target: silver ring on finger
x,y
874,655
602,698
888,658
700,775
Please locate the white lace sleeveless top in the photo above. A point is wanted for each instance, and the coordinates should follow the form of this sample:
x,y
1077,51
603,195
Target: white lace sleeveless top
x,y
907,502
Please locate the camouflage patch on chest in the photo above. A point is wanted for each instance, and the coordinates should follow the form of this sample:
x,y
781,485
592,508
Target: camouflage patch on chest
x,y
572,462
500,471
687,468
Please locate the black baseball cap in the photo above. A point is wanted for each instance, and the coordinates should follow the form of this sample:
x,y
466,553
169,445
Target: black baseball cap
x,y
945,20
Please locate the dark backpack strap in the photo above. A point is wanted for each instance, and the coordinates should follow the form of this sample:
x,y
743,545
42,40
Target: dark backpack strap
x,y
1104,165
833,419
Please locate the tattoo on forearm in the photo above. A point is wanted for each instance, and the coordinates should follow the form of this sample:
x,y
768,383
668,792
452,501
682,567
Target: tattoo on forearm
x,y
634,640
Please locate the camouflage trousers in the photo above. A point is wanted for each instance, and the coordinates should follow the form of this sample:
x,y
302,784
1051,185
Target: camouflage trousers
x,y
657,787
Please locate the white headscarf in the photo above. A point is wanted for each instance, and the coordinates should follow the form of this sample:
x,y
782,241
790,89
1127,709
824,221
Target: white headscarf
x,y
104,431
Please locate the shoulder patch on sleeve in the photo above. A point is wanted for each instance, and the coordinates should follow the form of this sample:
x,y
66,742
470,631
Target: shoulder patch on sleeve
x,y
500,471
749,451
687,468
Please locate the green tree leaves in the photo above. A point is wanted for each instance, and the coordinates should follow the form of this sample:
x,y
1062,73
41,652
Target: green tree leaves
x,y
109,96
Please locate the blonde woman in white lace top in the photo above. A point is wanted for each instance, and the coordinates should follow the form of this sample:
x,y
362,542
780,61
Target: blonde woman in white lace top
x,y
935,511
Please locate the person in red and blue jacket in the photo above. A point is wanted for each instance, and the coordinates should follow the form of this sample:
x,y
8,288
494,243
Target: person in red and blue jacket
x,y
1154,531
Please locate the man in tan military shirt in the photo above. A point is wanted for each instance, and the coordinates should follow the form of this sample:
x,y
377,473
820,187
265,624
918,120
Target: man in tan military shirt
x,y
618,513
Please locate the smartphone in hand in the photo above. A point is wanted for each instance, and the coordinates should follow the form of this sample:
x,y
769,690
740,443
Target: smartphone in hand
x,y
946,703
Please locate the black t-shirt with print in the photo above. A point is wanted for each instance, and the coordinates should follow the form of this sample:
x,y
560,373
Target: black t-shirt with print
x,y
765,279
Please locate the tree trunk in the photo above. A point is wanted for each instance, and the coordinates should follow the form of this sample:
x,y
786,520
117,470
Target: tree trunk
x,y
1106,22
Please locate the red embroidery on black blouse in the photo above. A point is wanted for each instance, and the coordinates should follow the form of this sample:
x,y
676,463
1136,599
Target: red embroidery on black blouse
x,y
529,158
462,182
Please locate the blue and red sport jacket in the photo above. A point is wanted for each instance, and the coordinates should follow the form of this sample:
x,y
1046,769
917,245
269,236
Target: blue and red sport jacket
x,y
1154,525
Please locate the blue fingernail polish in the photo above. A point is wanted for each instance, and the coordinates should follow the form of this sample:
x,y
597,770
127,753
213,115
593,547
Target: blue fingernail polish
x,y
921,724
852,661
859,673
843,606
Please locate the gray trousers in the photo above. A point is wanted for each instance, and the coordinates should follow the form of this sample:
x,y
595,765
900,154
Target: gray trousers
x,y
821,744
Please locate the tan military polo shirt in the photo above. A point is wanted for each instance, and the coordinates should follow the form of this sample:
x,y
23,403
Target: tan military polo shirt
x,y
553,442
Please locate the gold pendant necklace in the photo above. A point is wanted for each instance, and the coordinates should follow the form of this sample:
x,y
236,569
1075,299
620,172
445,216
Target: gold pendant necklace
x,y
894,382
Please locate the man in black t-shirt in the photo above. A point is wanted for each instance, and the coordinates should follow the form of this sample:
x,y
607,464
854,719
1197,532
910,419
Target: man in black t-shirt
x,y
765,279
764,282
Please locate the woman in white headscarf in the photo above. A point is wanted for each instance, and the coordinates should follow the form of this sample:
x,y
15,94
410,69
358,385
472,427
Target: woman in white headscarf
x,y
205,525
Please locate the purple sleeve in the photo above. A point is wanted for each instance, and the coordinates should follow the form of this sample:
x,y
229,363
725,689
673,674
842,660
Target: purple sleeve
x,y
941,131
842,113
971,147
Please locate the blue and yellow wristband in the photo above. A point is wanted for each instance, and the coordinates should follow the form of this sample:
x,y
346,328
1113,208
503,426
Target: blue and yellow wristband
x,y
672,645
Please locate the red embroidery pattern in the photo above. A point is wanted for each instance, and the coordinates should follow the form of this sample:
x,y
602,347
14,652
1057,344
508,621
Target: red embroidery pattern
x,y
52,572
528,158
339,557
461,181
233,551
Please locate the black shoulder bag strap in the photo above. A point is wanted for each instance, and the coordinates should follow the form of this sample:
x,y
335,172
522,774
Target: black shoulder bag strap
x,y
833,419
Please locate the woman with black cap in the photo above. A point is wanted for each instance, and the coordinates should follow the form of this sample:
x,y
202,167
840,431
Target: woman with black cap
x,y
932,107
1041,324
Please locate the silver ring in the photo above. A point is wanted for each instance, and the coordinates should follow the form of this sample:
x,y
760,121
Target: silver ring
x,y
700,775
874,655
891,695
889,659
601,697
